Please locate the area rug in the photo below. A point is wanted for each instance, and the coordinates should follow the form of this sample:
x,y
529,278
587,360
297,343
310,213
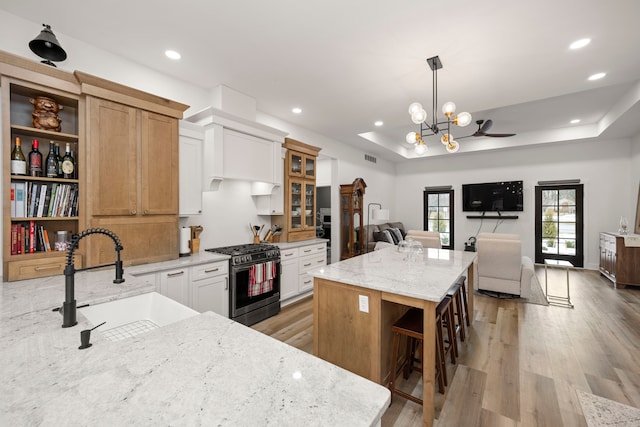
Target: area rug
x,y
537,295
601,412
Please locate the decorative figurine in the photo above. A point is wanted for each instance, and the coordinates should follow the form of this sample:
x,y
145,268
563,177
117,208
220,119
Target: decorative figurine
x,y
45,113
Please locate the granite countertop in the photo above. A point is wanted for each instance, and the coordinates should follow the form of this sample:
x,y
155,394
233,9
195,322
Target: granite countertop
x,y
289,245
200,258
428,277
205,370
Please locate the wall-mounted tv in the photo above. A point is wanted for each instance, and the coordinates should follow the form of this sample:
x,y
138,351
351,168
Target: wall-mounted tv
x,y
503,196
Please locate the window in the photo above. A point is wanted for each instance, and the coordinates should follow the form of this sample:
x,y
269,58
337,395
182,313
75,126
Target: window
x,y
438,215
559,223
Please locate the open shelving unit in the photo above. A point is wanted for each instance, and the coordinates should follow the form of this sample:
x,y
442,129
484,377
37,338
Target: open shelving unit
x,y
17,122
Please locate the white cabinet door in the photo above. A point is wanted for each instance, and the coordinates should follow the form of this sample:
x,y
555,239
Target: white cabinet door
x,y
190,170
289,279
210,288
174,284
211,295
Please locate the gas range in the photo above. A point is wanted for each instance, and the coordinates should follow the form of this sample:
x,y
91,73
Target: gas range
x,y
251,253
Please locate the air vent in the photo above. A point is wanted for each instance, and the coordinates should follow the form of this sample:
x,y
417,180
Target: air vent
x,y
370,158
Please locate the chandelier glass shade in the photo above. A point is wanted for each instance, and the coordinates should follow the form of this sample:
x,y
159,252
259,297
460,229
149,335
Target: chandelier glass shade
x,y
443,128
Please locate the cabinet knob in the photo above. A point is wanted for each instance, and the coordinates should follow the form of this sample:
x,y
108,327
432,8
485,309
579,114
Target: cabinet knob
x,y
146,211
133,212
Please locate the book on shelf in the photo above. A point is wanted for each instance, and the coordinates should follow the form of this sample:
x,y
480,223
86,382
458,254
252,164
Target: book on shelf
x,y
32,235
41,200
12,198
20,199
29,237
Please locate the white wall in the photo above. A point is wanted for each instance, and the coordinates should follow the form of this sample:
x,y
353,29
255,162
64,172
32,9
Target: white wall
x,y
634,194
15,34
602,166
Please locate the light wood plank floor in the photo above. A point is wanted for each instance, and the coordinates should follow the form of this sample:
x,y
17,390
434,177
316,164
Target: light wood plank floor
x,y
523,362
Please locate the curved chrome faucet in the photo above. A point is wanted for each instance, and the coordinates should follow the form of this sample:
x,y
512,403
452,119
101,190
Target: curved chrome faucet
x,y
68,309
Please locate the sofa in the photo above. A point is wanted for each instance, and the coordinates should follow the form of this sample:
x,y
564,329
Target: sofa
x,y
501,266
429,239
370,240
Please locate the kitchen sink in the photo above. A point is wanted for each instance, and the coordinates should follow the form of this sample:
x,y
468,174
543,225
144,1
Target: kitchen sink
x,y
135,315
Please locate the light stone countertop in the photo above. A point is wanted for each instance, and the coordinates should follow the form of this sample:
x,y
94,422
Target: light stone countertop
x,y
200,258
289,245
206,370
428,277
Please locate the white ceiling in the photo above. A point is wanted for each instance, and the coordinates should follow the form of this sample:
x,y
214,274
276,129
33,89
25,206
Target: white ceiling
x,y
350,63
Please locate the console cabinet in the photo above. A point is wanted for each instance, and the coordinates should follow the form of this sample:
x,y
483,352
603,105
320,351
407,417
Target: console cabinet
x,y
619,262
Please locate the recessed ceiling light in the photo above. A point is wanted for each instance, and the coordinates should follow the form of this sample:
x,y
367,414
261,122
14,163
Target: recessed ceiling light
x,y
172,54
574,121
579,43
296,110
379,123
597,76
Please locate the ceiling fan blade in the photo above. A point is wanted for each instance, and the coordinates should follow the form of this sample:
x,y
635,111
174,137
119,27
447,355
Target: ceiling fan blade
x,y
499,135
486,126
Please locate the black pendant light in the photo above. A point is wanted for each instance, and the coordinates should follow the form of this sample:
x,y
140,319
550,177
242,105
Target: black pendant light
x,y
47,46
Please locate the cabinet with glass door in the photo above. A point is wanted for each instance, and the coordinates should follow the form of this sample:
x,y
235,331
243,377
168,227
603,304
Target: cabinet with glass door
x,y
299,219
351,221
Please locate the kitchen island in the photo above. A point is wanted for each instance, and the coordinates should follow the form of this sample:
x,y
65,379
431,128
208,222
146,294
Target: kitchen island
x,y
357,300
205,370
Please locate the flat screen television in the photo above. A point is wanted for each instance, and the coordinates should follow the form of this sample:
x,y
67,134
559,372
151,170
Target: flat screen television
x,y
503,196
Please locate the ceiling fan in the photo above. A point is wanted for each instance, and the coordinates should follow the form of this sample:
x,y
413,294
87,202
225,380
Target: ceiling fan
x,y
483,127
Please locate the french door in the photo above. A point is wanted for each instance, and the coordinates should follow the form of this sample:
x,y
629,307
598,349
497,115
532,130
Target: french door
x,y
559,223
438,215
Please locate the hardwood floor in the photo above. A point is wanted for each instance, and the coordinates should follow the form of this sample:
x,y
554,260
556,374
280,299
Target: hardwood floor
x,y
523,362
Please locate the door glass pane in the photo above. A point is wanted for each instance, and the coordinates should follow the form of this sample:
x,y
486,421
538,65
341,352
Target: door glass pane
x,y
444,239
310,167
444,212
443,199
432,200
296,164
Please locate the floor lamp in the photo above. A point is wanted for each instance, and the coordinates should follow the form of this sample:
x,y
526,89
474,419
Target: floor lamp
x,y
378,214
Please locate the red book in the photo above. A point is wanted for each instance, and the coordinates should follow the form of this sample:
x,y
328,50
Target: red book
x,y
32,233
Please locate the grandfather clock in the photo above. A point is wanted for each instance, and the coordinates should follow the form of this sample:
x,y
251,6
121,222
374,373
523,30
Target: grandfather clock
x,y
352,233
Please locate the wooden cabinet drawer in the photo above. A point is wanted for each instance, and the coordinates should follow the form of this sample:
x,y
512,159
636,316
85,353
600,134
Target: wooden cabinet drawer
x,y
213,269
40,267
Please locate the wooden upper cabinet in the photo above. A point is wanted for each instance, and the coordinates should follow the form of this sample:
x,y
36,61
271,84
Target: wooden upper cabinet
x,y
159,164
133,182
113,132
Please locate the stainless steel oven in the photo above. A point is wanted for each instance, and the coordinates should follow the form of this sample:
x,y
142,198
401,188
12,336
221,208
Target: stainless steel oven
x,y
251,302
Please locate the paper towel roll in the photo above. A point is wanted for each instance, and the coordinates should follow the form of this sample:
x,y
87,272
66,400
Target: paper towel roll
x,y
185,237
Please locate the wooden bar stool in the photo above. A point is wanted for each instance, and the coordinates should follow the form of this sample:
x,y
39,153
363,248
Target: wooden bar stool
x,y
455,293
445,311
465,301
411,325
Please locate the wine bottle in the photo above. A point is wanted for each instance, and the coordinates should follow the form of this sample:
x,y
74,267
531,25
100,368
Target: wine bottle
x,y
18,161
59,158
35,160
52,162
68,163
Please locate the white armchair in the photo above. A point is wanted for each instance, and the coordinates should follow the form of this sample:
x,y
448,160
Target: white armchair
x,y
429,239
501,266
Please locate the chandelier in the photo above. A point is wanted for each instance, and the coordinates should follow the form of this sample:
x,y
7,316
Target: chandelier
x,y
442,128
